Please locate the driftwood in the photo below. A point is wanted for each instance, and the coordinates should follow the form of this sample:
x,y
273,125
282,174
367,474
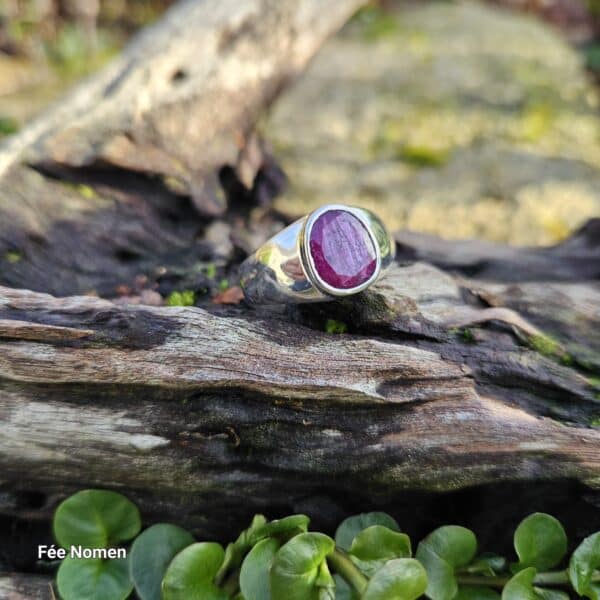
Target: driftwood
x,y
15,586
178,405
471,366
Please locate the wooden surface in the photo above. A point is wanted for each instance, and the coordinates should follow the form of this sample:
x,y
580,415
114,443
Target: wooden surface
x,y
15,586
435,389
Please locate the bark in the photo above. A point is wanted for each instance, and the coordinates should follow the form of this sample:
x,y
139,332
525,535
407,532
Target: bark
x,y
15,586
435,389
98,189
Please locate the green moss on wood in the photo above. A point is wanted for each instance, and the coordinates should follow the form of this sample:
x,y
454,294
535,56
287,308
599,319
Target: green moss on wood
x,y
334,326
82,189
423,156
183,298
12,256
210,270
465,334
549,347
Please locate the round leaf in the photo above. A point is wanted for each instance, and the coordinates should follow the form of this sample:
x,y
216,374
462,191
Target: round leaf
x,y
260,529
297,567
352,526
540,542
254,575
520,587
151,554
191,574
456,545
585,560
474,592
487,564
287,525
441,553
93,579
96,519
377,544
399,579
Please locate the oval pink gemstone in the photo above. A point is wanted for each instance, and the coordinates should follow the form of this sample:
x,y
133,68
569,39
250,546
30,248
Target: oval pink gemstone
x,y
342,250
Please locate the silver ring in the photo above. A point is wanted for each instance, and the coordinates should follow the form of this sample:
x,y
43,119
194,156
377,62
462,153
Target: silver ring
x,y
332,252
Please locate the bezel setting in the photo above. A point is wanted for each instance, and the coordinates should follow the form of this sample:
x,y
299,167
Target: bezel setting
x,y
307,259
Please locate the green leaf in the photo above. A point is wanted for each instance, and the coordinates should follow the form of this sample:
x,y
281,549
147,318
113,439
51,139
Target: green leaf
x,y
352,526
441,553
151,554
540,542
288,525
96,519
399,579
191,574
487,564
585,560
296,570
343,591
377,544
474,592
325,582
520,587
259,529
93,579
254,575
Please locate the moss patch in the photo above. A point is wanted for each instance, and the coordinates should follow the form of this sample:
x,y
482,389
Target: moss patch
x,y
12,256
82,189
376,23
537,120
549,347
333,326
183,298
8,126
210,270
423,156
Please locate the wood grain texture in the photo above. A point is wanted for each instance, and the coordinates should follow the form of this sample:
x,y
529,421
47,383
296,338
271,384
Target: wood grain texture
x,y
175,405
16,586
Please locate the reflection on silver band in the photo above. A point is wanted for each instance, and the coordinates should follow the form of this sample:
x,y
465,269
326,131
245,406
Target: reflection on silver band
x,y
282,270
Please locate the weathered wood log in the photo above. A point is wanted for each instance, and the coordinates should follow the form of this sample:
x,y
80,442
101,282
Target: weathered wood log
x,y
16,586
170,118
179,407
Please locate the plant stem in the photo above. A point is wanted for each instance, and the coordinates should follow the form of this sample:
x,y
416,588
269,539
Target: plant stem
x,y
343,566
232,583
482,580
549,578
552,578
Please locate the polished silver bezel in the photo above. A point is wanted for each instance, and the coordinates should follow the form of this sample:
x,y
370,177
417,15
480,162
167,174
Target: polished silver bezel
x,y
307,259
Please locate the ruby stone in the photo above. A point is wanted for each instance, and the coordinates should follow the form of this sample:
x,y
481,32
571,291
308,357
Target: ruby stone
x,y
342,250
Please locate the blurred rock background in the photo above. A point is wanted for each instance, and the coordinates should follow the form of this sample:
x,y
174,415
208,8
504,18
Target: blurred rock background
x,y
459,118
47,45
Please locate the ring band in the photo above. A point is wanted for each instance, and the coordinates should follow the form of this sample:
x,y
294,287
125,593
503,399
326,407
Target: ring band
x,y
332,252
